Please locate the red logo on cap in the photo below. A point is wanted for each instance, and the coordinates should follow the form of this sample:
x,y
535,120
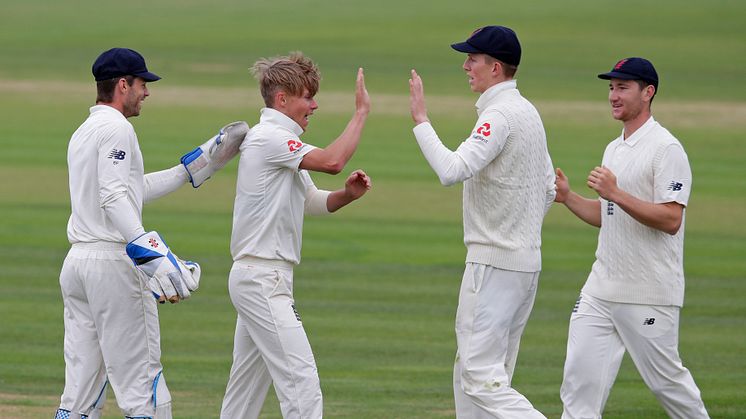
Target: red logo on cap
x,y
294,145
484,129
620,64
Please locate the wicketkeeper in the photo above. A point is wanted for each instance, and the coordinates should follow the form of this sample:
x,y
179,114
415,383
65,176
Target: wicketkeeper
x,y
115,271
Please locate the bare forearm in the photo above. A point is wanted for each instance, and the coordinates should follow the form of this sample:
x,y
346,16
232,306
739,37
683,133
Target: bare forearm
x,y
356,185
342,149
664,217
588,210
335,156
338,199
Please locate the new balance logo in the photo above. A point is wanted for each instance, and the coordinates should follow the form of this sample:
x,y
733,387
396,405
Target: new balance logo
x,y
675,186
117,154
648,322
610,208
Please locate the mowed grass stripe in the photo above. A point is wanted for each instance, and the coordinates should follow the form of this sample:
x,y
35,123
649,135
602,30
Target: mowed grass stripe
x,y
686,114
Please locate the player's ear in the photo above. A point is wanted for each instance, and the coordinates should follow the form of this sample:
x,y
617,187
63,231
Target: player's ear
x,y
280,99
122,84
648,92
497,67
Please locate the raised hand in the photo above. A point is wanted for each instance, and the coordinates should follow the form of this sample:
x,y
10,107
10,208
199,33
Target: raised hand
x,y
417,99
362,99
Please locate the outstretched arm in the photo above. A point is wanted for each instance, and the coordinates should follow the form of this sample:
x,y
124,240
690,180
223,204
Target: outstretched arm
x,y
335,156
163,182
491,133
588,210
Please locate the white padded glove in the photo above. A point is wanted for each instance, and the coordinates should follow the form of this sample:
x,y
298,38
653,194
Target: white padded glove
x,y
168,277
205,160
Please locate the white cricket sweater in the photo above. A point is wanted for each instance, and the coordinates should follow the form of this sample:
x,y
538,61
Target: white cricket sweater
x,y
635,263
508,179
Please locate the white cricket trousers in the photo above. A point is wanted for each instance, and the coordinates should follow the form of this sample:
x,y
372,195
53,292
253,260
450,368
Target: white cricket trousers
x,y
493,309
111,331
600,331
270,345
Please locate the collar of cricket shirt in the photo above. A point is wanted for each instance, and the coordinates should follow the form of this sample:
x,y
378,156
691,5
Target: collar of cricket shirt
x,y
641,132
273,116
107,109
489,95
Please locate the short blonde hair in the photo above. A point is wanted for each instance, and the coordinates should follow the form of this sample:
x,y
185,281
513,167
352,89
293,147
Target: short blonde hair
x,y
292,74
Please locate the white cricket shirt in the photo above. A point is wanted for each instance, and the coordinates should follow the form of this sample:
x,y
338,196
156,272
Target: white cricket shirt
x,y
635,263
105,169
271,190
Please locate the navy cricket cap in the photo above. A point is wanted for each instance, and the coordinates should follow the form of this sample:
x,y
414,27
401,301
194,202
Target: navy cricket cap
x,y
118,62
633,68
496,41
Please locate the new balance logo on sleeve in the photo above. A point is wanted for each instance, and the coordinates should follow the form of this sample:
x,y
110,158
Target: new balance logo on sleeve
x,y
117,154
649,322
675,186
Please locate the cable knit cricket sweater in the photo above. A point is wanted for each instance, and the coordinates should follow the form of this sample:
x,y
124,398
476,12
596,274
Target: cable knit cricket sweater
x,y
504,204
508,179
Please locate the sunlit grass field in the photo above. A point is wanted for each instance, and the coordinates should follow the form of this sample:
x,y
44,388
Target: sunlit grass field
x,y
377,288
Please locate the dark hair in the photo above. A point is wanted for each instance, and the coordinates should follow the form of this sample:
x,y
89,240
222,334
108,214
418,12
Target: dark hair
x,y
643,84
105,88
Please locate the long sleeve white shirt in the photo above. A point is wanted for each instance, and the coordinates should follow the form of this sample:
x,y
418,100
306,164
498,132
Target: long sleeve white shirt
x,y
106,179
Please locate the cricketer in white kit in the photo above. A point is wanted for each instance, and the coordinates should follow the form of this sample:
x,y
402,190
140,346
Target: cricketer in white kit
x,y
115,273
508,188
635,291
273,193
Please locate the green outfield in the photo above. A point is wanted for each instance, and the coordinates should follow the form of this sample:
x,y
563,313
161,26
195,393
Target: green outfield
x,y
378,285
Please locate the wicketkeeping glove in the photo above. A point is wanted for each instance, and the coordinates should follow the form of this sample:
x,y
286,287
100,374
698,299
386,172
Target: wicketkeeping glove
x,y
215,153
168,277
